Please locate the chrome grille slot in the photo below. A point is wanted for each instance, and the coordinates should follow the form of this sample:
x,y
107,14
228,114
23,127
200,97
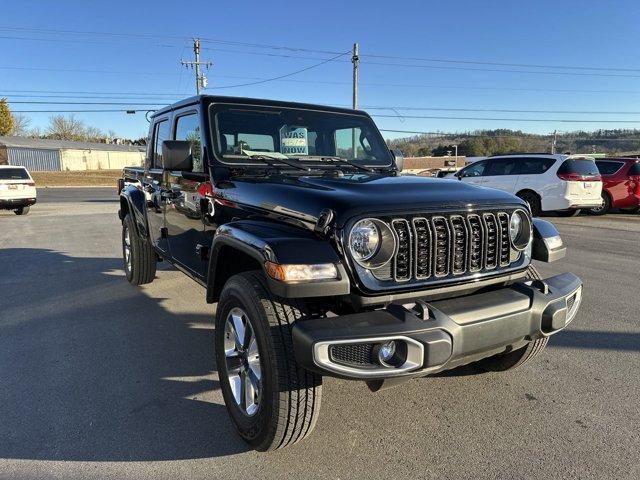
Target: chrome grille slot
x,y
442,247
422,234
476,238
491,243
402,260
459,252
505,242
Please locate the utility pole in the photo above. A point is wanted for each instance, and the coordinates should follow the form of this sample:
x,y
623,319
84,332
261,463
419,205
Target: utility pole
x,y
201,80
355,60
554,142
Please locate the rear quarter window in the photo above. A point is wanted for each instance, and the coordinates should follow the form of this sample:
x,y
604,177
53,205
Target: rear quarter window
x,y
635,169
608,167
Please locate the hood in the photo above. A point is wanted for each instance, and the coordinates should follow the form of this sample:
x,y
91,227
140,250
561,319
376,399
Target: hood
x,y
358,194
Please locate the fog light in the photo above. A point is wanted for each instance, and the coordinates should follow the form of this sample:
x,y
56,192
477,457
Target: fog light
x,y
386,352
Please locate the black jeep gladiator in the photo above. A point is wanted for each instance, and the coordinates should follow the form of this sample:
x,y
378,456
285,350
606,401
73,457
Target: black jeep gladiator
x,y
324,260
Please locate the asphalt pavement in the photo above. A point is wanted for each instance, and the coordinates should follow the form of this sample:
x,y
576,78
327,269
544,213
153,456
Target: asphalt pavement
x,y
100,379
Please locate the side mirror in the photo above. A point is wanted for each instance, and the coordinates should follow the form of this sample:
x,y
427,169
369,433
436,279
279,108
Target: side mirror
x,y
176,155
399,158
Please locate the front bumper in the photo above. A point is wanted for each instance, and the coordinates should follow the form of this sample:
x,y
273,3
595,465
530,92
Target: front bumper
x,y
11,203
439,335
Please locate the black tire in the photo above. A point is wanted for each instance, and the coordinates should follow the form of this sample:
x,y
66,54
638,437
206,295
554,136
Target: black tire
x,y
533,200
22,210
568,213
289,400
141,268
513,359
602,210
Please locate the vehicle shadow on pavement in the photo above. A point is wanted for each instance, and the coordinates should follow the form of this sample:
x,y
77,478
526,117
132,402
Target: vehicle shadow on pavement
x,y
597,339
96,370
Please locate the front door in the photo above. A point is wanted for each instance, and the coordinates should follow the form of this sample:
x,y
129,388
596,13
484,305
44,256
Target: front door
x,y
501,173
188,228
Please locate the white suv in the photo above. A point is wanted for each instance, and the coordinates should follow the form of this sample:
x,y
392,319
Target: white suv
x,y
17,189
560,183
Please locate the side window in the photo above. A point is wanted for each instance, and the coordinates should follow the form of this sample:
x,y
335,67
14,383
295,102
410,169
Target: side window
x,y
476,169
188,128
501,166
534,166
609,168
344,141
160,134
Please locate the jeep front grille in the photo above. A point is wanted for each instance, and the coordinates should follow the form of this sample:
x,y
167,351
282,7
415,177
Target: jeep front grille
x,y
448,246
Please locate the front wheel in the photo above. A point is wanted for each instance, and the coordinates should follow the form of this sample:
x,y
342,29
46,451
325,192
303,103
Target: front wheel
x,y
513,359
272,401
533,201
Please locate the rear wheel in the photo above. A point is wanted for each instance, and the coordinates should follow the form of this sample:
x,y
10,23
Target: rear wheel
x,y
568,213
533,201
272,401
602,209
515,358
630,210
138,255
22,210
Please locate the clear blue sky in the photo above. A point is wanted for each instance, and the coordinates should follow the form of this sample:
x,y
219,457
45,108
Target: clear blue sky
x,y
566,33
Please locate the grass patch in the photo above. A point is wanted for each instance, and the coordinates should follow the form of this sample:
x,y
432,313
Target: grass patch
x,y
87,178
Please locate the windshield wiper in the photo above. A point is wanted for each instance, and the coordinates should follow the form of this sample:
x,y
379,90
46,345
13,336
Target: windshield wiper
x,y
344,161
269,160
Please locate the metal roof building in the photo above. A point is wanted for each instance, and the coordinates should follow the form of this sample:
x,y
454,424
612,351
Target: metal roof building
x,y
56,155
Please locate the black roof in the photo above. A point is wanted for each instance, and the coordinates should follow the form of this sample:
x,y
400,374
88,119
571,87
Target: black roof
x,y
250,101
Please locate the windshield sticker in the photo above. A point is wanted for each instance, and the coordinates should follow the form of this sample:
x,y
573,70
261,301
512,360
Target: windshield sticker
x,y
293,140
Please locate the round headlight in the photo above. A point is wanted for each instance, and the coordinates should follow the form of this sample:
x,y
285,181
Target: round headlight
x,y
371,243
520,230
364,240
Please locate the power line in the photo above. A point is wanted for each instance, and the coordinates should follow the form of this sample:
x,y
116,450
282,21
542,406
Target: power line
x,y
561,120
370,107
283,76
497,70
502,64
514,135
320,51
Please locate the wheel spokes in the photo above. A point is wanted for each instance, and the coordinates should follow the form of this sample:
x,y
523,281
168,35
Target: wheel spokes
x,y
242,361
239,329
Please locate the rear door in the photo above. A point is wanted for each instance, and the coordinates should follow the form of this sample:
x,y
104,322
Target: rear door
x,y
501,173
614,182
152,183
530,174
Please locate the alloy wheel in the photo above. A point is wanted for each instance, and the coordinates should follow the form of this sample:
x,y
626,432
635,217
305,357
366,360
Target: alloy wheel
x,y
242,361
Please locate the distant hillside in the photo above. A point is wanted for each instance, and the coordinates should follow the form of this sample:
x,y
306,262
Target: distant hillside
x,y
492,142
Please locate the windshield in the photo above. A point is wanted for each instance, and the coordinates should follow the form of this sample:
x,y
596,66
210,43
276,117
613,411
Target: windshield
x,y
304,135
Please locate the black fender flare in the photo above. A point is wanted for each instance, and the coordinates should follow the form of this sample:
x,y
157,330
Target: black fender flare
x,y
547,242
264,240
133,200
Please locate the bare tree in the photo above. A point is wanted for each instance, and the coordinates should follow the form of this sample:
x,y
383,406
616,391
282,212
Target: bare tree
x,y
93,134
20,125
65,128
